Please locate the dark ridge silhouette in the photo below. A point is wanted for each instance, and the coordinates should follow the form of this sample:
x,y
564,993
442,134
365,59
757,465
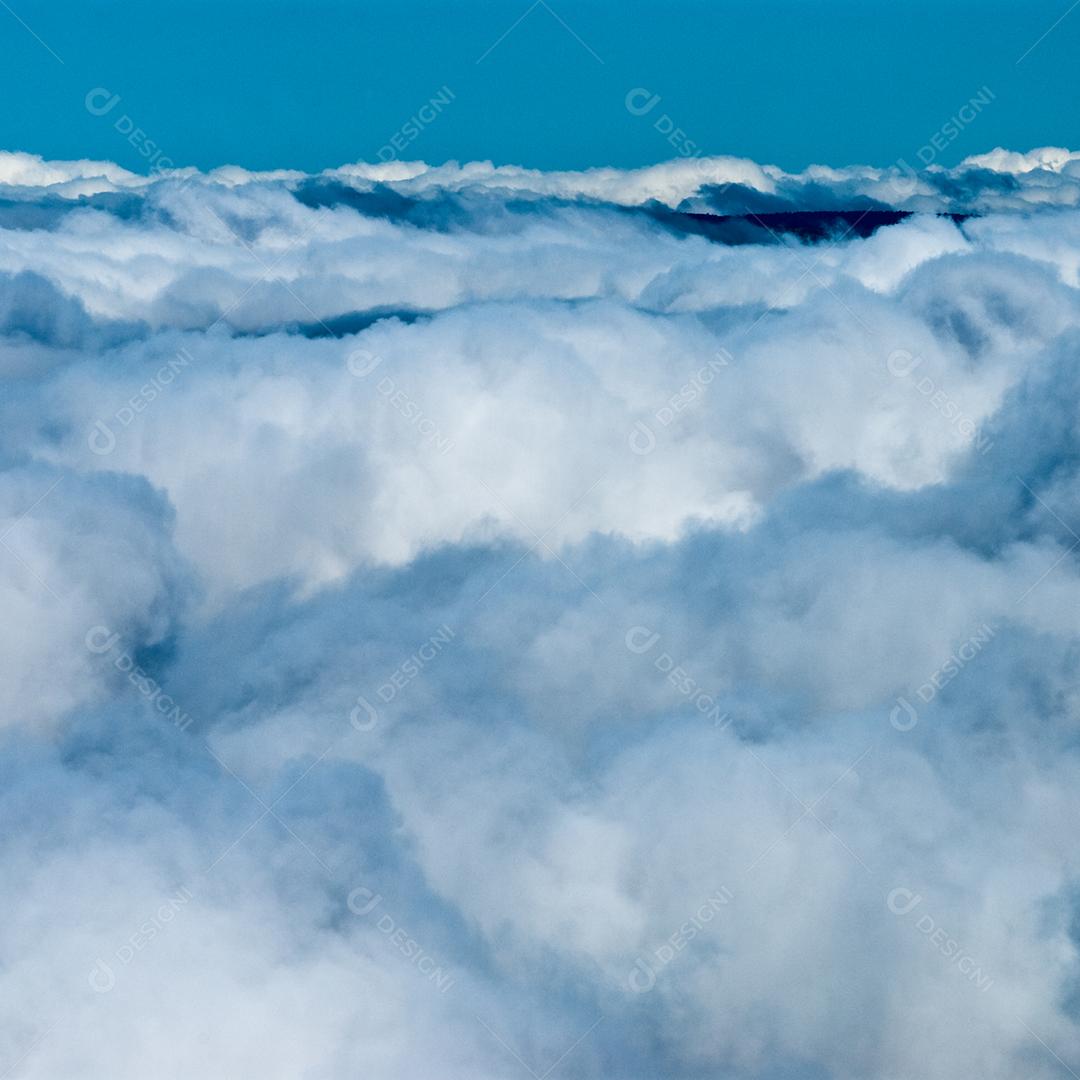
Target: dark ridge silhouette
x,y
806,226
337,326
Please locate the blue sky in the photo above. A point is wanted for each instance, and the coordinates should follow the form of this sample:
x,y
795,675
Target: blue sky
x,y
271,84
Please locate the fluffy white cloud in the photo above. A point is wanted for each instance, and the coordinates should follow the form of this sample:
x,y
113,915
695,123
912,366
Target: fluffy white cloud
x,y
463,614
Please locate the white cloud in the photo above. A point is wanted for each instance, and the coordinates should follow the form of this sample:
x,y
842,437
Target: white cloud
x,y
752,570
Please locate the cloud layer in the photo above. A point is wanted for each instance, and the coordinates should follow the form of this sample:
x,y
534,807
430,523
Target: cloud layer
x,y
466,621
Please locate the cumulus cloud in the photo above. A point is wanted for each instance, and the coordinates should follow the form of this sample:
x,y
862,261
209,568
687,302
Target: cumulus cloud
x,y
467,620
